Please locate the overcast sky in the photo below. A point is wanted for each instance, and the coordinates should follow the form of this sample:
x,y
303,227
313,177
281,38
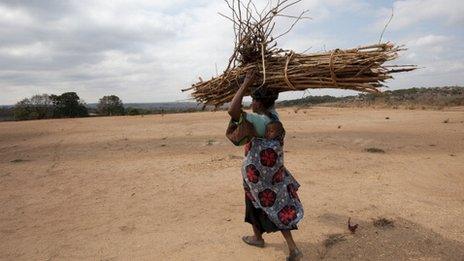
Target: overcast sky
x,y
148,50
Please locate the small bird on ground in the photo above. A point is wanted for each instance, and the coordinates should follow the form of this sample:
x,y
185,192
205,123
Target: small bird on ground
x,y
352,228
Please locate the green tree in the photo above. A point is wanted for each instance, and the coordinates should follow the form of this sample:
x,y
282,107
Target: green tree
x,y
6,113
68,104
22,110
37,107
110,105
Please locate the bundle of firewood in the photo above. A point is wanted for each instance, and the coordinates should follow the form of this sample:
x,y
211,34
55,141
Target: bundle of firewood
x,y
361,69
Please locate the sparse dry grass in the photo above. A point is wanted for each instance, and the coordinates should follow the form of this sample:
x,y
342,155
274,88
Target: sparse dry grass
x,y
374,150
333,239
382,222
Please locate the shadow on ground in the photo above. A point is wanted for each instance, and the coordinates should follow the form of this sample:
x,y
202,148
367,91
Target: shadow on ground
x,y
399,240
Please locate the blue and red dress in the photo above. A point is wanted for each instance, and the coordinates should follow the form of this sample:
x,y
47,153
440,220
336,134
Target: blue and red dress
x,y
271,198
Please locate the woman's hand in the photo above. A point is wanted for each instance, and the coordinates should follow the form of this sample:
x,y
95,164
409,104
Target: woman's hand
x,y
235,108
249,78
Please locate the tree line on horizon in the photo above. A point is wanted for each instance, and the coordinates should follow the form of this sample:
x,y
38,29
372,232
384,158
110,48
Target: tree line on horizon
x,y
66,105
69,105
433,97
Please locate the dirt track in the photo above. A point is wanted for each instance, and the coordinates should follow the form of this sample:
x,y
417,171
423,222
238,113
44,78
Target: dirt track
x,y
169,187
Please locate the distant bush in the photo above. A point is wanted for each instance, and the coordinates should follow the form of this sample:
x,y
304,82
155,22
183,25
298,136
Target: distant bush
x,y
46,106
144,111
110,106
68,105
310,100
36,107
137,111
132,111
6,113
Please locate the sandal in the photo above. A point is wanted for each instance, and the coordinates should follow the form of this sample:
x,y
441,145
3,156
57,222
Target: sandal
x,y
250,240
295,255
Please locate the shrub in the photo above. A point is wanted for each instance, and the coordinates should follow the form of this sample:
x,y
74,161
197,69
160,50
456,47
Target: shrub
x,y
111,105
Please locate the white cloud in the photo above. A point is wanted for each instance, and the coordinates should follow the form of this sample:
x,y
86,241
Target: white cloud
x,y
146,51
411,12
35,50
428,44
11,16
429,40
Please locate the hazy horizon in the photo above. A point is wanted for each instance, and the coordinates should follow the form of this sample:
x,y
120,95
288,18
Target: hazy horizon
x,y
246,100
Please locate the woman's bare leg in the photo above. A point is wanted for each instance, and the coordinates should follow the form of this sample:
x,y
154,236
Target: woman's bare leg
x,y
258,234
290,242
295,253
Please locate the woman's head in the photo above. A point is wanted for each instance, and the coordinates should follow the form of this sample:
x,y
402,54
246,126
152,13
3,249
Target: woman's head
x,y
263,100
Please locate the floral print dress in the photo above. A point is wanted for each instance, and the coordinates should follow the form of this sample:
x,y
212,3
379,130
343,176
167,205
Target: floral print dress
x,y
269,185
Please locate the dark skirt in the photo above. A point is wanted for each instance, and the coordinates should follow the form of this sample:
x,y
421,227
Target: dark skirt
x,y
258,218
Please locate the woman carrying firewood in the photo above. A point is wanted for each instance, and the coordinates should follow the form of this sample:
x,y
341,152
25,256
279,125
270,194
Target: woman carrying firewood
x,y
272,203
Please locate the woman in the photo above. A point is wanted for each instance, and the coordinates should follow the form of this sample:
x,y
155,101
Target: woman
x,y
272,203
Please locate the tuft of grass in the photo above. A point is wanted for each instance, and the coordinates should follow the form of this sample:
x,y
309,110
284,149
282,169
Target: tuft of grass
x,y
210,142
232,156
333,239
374,150
18,160
382,222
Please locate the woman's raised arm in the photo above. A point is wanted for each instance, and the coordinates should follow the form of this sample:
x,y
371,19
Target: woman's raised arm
x,y
235,108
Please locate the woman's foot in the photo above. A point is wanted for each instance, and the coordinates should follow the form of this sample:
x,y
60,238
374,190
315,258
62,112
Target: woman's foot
x,y
253,241
295,255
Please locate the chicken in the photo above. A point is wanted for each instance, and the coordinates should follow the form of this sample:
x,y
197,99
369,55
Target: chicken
x,y
352,228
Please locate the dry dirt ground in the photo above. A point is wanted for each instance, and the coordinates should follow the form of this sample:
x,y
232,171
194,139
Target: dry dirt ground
x,y
169,187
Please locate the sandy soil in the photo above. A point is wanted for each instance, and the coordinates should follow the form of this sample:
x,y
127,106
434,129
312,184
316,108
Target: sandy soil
x,y
169,187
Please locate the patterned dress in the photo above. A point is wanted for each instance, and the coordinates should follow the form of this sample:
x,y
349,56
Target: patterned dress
x,y
269,185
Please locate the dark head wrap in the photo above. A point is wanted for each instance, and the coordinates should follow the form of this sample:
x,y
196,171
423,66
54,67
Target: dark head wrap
x,y
264,94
